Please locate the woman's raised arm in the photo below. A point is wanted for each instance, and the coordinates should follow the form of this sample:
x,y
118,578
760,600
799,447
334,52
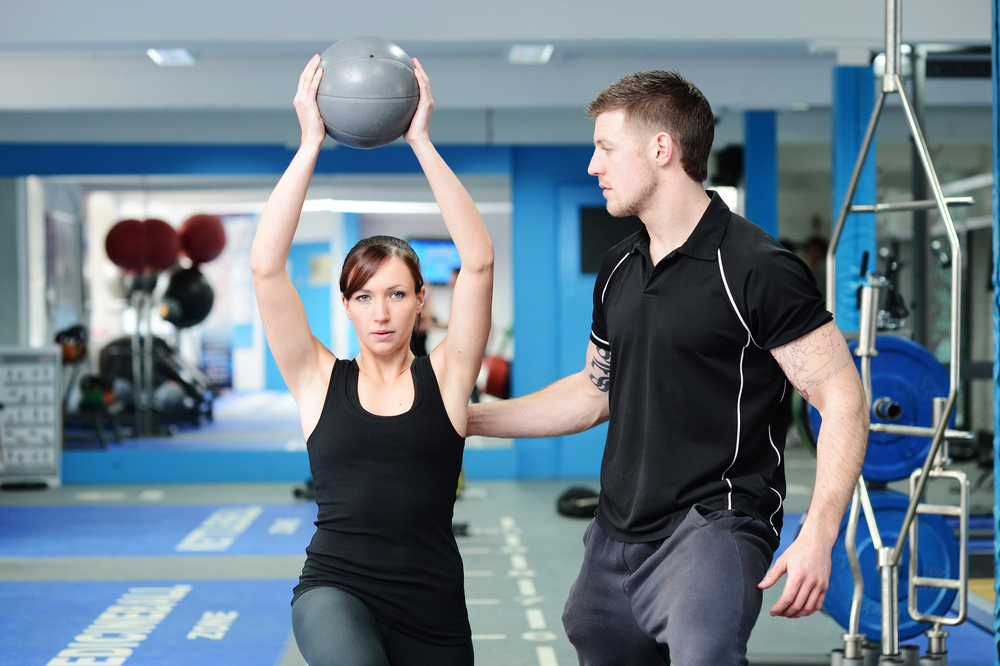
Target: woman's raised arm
x,y
459,357
301,358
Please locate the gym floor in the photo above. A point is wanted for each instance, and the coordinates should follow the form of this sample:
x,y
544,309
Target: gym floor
x,y
217,563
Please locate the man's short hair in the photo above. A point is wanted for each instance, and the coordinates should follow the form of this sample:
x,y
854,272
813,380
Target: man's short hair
x,y
664,101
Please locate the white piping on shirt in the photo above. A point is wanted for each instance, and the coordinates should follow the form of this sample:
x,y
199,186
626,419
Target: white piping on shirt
x,y
784,389
739,415
739,399
732,301
599,339
781,503
777,453
605,290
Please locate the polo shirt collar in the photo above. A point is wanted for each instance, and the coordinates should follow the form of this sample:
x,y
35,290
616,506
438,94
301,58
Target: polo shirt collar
x,y
704,241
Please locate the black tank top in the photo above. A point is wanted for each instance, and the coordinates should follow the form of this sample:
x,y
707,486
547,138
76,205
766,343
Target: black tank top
x,y
385,489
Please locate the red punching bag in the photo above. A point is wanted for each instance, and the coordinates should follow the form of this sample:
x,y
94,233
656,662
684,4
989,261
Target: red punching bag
x,y
202,237
136,246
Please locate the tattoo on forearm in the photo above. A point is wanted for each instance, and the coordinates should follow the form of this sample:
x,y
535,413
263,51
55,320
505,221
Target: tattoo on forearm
x,y
809,361
601,370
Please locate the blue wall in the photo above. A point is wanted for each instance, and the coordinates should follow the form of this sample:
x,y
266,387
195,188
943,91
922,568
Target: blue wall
x,y
853,101
85,159
315,300
551,304
537,178
760,169
538,175
352,234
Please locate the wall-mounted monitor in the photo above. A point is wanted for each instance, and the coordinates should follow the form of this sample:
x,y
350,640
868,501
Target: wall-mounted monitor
x,y
599,232
438,258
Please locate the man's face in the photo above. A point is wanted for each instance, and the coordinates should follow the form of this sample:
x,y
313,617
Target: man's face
x,y
622,165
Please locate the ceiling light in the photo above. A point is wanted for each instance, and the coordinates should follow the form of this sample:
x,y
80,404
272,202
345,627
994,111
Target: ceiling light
x,y
393,207
171,57
530,54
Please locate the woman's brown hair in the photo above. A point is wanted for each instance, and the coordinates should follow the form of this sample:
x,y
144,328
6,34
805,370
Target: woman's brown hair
x,y
368,257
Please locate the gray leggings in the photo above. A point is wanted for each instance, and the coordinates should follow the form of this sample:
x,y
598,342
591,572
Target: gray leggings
x,y
691,598
333,628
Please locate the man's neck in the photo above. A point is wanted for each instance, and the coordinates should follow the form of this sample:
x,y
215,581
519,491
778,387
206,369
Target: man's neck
x,y
674,216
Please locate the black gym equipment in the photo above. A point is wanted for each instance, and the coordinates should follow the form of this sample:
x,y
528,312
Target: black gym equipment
x,y
188,298
97,406
181,393
159,386
578,502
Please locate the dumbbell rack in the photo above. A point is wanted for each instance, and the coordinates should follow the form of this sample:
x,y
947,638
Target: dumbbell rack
x,y
937,458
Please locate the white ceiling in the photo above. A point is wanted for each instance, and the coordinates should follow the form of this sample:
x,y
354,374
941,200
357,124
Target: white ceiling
x,y
71,55
76,70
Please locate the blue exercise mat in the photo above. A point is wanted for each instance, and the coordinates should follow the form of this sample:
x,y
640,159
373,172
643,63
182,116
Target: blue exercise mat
x,y
198,623
68,531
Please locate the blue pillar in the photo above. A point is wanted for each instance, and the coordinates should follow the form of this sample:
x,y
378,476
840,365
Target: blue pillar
x,y
351,230
537,173
853,101
760,169
996,325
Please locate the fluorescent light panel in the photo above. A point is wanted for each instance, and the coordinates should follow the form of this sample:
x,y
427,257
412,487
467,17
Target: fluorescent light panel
x,y
530,54
171,57
392,207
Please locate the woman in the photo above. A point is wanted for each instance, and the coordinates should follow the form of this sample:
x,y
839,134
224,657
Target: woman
x,y
382,583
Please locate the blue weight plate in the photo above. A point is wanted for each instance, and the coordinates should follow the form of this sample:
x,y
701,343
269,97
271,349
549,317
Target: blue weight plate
x,y
937,558
909,377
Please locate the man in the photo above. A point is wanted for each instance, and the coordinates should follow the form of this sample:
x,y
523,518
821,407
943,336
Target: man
x,y
702,324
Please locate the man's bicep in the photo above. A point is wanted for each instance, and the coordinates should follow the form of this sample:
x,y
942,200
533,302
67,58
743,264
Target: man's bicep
x,y
598,367
816,362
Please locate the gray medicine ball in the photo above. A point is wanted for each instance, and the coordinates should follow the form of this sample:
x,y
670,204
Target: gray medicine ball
x,y
368,94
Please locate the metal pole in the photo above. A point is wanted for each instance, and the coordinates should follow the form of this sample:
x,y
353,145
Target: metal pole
x,y
893,42
851,543
148,359
137,384
853,640
956,277
852,185
889,573
918,183
942,459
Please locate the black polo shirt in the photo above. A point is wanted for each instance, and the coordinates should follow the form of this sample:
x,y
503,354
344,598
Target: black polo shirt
x,y
698,403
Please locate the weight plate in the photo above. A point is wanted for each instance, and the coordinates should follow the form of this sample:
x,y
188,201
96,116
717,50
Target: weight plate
x,y
905,380
578,502
937,558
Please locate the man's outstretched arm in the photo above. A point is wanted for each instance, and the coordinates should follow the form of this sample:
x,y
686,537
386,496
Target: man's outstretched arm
x,y
572,404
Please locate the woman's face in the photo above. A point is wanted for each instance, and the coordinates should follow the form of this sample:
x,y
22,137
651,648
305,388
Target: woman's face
x,y
384,310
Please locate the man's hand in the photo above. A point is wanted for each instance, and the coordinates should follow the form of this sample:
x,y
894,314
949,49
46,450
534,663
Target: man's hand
x,y
808,568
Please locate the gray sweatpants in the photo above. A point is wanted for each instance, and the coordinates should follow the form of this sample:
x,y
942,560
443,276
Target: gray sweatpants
x,y
690,599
